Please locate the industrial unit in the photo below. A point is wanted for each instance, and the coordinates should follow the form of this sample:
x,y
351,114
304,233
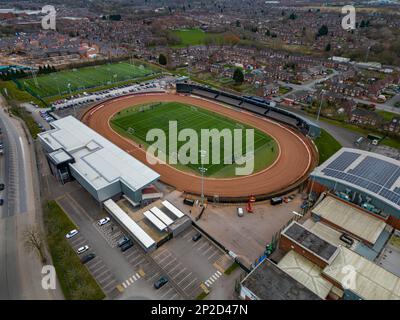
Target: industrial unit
x,y
369,180
76,152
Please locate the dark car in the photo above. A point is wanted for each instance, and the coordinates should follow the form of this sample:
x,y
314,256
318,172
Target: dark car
x,y
160,282
277,200
127,245
122,241
1,202
87,258
2,186
196,237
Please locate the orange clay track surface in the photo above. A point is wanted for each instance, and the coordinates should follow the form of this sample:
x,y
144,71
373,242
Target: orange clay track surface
x,y
296,158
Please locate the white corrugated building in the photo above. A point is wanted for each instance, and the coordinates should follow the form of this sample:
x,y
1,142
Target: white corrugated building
x,y
75,151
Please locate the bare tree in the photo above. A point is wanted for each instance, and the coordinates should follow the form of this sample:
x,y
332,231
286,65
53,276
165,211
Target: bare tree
x,y
33,241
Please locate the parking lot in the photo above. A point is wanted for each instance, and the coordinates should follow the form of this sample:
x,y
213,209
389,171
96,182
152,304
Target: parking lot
x,y
104,277
246,236
189,265
149,272
182,277
144,270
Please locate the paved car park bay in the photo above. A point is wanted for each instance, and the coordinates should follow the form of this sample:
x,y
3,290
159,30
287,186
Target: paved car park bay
x,y
149,272
192,263
104,277
187,264
182,277
144,271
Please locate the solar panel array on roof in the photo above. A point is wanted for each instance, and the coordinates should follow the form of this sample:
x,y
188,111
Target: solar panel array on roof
x,y
379,180
393,179
390,195
383,170
343,161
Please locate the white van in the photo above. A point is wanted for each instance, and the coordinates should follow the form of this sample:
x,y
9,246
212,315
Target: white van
x,y
240,212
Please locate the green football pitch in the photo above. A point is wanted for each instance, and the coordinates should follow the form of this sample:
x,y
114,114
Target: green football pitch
x,y
56,84
135,122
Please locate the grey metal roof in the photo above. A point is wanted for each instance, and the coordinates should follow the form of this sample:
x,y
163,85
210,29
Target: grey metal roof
x,y
369,172
269,282
97,160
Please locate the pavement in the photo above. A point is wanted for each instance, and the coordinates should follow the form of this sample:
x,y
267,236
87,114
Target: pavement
x,y
246,236
387,106
20,271
344,136
307,85
310,86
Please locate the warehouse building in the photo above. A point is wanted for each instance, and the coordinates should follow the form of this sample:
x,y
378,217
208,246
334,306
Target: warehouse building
x,y
366,179
76,152
268,282
333,270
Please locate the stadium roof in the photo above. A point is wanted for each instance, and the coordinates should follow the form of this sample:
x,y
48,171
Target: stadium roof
x,y
371,173
97,160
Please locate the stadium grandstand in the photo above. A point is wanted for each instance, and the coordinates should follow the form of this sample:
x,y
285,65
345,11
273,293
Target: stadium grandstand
x,y
255,105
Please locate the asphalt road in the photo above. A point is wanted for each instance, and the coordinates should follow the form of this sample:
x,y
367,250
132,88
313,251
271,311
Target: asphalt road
x,y
310,86
20,271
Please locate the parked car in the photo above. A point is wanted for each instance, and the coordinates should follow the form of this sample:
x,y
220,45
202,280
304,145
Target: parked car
x,y
122,241
305,204
103,221
127,245
88,257
160,282
71,234
196,237
2,186
240,212
82,249
1,202
276,200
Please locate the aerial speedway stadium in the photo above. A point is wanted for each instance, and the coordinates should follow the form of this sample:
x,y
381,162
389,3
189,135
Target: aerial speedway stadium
x,y
284,157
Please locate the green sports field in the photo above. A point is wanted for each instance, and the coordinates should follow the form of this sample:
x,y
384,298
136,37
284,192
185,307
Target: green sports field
x,y
135,122
193,37
56,84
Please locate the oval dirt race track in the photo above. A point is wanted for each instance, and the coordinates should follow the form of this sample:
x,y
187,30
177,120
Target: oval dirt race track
x,y
296,159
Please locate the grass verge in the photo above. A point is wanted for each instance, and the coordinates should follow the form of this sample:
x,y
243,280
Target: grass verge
x,y
11,92
76,281
327,146
387,141
25,116
232,268
202,296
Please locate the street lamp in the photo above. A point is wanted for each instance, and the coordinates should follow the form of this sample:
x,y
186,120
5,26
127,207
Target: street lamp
x,y
70,94
320,105
203,171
